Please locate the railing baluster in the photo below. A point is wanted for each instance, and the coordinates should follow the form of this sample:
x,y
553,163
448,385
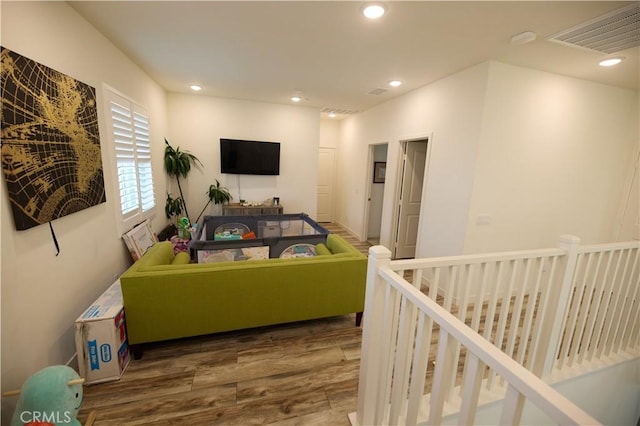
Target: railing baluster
x,y
605,296
494,307
441,377
516,315
433,287
635,336
611,304
466,278
477,309
466,282
619,287
450,291
493,302
390,335
575,301
540,346
528,320
399,386
419,368
503,323
583,313
451,302
632,301
479,303
429,325
474,370
596,297
417,278
634,333
512,407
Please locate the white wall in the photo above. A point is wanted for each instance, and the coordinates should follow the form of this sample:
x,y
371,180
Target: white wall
x,y
540,154
329,133
450,110
620,405
197,123
42,294
553,158
627,224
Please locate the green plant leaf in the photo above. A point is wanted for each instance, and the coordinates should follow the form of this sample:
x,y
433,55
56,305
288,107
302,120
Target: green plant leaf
x,y
219,194
173,206
178,164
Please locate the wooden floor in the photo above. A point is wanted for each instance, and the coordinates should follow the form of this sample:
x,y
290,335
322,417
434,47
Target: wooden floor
x,y
296,374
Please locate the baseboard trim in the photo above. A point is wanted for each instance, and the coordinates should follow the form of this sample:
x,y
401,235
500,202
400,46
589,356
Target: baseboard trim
x,y
349,230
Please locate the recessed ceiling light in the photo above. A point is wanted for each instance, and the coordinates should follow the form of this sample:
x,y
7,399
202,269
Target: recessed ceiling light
x,y
196,88
395,83
523,38
610,62
373,10
296,98
332,115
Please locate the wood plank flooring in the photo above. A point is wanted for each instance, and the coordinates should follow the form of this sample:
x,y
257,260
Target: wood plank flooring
x,y
302,373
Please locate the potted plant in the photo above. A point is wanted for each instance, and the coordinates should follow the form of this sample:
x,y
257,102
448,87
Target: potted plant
x,y
178,163
217,194
173,207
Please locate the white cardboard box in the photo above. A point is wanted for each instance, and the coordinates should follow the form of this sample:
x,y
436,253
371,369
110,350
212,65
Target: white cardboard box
x,y
101,338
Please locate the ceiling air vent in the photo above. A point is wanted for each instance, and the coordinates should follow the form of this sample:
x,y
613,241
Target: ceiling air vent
x,y
610,33
377,91
339,111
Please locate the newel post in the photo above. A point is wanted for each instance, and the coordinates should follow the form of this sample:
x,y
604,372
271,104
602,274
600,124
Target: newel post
x,y
558,313
379,256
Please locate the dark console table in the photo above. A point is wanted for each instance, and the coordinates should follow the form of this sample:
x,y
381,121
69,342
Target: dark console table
x,y
239,210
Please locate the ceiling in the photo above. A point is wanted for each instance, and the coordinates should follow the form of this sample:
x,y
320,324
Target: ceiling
x,y
333,56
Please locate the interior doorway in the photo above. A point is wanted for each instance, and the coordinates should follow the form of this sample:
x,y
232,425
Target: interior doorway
x,y
413,163
378,156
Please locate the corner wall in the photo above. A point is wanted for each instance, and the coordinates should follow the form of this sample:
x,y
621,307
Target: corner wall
x,y
553,159
538,154
449,113
43,294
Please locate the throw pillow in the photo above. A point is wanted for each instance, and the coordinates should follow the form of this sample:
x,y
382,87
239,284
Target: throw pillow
x,y
321,249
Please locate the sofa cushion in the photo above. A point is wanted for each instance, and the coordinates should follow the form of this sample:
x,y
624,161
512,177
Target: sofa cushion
x,y
339,245
321,249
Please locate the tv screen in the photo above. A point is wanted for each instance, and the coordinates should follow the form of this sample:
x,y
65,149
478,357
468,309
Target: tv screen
x,y
244,157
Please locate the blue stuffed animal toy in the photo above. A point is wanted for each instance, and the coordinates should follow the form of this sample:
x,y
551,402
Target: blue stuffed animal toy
x,y
52,396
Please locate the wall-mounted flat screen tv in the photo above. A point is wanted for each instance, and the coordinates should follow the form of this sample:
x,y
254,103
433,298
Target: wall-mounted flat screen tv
x,y
245,157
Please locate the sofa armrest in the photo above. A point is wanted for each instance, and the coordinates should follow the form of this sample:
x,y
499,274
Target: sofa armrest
x,y
182,258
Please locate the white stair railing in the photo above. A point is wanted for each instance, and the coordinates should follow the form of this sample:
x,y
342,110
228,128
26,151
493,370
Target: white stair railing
x,y
509,301
602,315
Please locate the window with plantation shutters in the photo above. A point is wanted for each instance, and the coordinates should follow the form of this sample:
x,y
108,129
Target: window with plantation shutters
x,y
130,135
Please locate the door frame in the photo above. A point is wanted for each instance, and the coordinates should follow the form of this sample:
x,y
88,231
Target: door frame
x,y
398,188
368,184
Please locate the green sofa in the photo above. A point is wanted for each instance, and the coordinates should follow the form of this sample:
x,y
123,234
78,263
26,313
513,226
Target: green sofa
x,y
165,297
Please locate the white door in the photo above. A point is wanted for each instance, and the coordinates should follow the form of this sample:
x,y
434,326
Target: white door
x,y
414,159
326,171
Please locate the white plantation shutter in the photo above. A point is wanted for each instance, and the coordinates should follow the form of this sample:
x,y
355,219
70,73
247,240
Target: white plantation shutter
x,y
130,128
143,152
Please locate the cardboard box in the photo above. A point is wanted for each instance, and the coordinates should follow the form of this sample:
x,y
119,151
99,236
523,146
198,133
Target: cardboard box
x,y
101,338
